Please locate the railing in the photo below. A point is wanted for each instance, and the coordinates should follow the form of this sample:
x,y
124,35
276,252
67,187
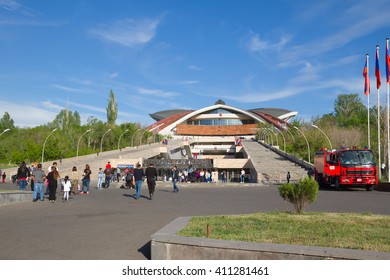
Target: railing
x,y
303,163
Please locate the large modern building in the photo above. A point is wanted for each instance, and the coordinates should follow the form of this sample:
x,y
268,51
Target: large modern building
x,y
217,120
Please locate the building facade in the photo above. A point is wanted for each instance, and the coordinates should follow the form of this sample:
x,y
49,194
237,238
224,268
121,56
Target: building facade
x,y
217,120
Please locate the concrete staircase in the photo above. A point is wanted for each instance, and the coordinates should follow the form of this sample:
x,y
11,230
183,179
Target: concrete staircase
x,y
271,167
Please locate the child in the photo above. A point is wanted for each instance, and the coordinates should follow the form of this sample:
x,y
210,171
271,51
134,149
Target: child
x,y
66,185
100,178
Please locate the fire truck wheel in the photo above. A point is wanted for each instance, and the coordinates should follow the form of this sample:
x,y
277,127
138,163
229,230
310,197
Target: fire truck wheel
x,y
369,188
337,185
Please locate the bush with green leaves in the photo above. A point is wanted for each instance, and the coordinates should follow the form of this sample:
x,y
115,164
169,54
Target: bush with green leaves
x,y
300,194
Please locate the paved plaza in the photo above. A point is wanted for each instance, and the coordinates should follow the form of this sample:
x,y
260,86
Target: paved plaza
x,y
111,224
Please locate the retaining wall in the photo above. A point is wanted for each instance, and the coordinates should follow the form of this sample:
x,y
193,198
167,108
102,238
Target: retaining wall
x,y
166,245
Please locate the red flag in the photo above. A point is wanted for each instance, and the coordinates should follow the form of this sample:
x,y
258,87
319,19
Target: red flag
x,y
366,78
387,62
377,72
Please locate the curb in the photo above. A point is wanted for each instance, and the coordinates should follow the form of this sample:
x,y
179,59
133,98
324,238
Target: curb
x,y
166,245
15,197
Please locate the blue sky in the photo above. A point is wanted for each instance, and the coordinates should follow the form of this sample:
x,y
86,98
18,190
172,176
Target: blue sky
x,y
158,55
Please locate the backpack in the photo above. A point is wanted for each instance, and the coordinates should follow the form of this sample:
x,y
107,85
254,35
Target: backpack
x,y
129,176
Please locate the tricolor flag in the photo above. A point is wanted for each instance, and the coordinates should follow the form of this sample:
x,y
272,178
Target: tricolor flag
x,y
377,72
387,62
366,78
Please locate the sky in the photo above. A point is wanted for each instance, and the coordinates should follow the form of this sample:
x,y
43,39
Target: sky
x,y
171,54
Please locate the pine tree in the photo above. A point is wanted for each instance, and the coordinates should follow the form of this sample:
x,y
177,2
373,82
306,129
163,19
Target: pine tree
x,y
112,108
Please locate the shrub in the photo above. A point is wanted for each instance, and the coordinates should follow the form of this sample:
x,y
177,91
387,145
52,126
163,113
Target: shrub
x,y
300,194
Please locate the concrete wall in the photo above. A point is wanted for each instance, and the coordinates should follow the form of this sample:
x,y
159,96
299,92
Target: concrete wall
x,y
15,196
166,245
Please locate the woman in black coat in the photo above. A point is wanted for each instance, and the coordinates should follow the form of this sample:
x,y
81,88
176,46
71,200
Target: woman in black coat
x,y
52,177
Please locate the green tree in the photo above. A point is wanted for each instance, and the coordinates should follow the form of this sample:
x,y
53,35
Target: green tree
x,y
349,110
6,122
66,120
112,108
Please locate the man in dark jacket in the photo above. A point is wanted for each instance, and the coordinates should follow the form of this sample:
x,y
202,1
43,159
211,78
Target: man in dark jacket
x,y
151,177
138,179
175,177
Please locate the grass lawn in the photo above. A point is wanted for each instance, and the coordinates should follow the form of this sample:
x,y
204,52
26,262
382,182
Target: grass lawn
x,y
338,230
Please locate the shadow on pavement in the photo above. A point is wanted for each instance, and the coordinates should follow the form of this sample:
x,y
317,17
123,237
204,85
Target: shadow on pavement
x,y
146,250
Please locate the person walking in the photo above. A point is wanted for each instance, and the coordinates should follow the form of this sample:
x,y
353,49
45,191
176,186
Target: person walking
x,y
242,176
151,177
175,176
100,179
383,169
223,176
86,179
288,177
107,173
49,169
75,181
138,179
39,177
66,184
3,177
52,177
22,176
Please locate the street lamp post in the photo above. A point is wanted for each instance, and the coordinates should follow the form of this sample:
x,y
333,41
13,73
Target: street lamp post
x,y
132,138
140,140
307,142
269,136
5,130
101,142
277,141
284,139
331,148
44,143
121,137
266,135
292,136
78,142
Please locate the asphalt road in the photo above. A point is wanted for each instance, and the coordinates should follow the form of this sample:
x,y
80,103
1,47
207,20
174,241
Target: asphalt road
x,y
111,224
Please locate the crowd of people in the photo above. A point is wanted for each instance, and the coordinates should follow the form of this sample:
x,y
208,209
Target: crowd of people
x,y
51,182
47,183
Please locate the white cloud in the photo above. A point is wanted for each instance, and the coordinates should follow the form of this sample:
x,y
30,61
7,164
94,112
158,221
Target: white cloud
x,y
189,82
10,5
114,75
50,105
128,32
35,114
255,44
371,16
195,68
155,92
88,107
65,88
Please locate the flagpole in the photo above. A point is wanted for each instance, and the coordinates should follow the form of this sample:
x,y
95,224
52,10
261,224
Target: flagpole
x,y
388,107
388,134
378,84
368,105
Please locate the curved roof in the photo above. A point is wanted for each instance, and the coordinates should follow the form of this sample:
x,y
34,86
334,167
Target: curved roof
x,y
170,127
168,119
158,116
276,112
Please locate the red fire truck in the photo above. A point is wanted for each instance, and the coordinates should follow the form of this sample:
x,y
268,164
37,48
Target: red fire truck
x,y
346,168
